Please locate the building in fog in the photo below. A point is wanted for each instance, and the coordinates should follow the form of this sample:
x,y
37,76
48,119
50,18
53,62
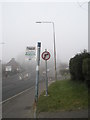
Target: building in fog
x,y
12,67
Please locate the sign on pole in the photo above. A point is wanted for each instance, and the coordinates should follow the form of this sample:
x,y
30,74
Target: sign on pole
x,y
46,56
30,52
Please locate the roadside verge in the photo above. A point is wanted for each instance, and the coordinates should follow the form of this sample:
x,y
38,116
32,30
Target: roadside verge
x,y
65,96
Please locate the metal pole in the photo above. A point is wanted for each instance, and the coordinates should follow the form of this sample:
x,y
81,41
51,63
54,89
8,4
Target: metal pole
x,y
46,77
37,70
37,78
54,51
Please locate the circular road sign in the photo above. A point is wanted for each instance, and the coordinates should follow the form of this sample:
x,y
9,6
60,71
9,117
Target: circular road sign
x,y
46,55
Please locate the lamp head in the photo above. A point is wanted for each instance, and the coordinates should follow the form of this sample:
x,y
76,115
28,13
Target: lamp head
x,y
38,22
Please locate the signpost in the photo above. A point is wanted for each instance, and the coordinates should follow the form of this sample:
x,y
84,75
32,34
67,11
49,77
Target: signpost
x,y
37,70
46,56
37,78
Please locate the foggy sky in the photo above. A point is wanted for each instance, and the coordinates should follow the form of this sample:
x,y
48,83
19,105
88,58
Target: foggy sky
x,y
19,29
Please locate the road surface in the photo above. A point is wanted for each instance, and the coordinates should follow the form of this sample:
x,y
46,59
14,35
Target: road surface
x,y
16,84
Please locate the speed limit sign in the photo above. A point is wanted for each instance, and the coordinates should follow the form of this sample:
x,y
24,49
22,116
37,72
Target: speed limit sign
x,y
46,55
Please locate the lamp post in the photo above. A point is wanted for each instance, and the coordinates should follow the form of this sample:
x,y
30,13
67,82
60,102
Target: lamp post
x,y
54,44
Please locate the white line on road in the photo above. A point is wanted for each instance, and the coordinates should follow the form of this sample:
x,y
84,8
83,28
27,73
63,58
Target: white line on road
x,y
16,95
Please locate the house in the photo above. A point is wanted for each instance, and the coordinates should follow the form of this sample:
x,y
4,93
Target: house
x,y
12,66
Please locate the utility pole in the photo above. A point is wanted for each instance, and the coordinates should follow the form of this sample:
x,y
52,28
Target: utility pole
x,y
54,51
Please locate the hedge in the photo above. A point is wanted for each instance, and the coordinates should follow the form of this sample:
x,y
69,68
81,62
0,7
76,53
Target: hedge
x,y
79,66
86,68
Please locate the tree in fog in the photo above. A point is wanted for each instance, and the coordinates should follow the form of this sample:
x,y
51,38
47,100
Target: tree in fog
x,y
64,69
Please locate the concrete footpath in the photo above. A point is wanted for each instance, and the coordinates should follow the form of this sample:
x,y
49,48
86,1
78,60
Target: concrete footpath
x,y
64,114
22,107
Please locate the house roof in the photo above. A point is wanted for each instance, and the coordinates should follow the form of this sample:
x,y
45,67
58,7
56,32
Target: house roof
x,y
13,63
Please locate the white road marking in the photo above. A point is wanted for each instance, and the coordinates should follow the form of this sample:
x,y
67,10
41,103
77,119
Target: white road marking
x,y
15,95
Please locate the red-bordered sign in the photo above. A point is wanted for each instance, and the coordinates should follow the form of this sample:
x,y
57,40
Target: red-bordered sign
x,y
46,55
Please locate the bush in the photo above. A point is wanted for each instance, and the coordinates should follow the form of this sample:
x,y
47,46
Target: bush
x,y
77,66
86,69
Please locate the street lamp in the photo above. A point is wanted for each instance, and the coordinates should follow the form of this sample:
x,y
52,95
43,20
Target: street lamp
x,y
54,44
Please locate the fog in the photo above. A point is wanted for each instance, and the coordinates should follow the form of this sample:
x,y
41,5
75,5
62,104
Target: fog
x,y
19,29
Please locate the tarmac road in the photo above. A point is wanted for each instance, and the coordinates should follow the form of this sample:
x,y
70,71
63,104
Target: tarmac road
x,y
16,84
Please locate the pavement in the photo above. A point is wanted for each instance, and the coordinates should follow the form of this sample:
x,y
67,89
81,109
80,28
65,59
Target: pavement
x,y
21,106
64,114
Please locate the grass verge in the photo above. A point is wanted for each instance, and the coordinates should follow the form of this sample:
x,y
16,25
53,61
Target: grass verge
x,y
65,95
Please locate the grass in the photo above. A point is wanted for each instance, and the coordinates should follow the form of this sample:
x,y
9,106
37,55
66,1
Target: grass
x,y
64,95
